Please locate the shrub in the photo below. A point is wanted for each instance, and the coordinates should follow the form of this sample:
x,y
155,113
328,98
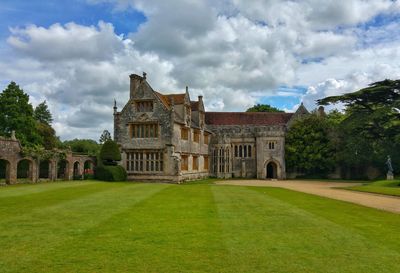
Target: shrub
x,y
110,153
111,173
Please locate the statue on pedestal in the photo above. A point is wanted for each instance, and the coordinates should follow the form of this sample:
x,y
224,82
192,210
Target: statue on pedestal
x,y
389,175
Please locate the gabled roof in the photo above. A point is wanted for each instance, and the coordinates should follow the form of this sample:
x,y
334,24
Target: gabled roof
x,y
247,118
166,99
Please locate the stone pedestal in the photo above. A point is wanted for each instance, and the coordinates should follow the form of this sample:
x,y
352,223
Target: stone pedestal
x,y
389,176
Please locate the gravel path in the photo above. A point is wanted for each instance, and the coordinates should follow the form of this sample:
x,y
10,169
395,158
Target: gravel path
x,y
327,189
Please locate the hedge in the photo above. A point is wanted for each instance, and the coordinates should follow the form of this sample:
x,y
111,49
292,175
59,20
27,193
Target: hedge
x,y
109,152
111,173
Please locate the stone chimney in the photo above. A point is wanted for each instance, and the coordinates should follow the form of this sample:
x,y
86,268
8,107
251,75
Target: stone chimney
x,y
136,80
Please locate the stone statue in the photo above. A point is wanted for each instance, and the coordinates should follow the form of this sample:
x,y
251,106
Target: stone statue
x,y
389,174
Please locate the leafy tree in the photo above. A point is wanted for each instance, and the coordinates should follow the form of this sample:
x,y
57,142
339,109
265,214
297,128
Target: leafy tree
x,y
48,138
374,110
105,136
42,113
110,153
263,108
16,113
308,146
84,146
370,129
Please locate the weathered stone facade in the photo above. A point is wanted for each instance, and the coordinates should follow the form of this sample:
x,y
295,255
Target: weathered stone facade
x,y
34,170
169,137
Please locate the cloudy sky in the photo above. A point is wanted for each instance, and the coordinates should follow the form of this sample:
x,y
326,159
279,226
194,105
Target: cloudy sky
x,y
78,54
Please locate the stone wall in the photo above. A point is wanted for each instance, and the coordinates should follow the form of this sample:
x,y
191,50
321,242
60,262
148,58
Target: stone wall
x,y
10,153
258,138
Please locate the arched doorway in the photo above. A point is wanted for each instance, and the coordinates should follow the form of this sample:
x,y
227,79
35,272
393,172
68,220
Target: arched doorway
x,y
77,174
4,171
88,169
44,169
62,169
272,170
24,169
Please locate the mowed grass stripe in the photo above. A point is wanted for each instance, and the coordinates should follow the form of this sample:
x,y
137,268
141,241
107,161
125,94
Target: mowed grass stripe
x,y
26,189
36,238
268,234
176,230
22,204
379,226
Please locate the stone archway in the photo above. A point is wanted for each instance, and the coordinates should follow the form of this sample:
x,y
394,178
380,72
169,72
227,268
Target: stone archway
x,y
25,169
271,170
45,169
5,171
77,172
63,169
88,168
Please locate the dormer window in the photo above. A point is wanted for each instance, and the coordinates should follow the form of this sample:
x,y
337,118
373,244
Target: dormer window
x,y
144,106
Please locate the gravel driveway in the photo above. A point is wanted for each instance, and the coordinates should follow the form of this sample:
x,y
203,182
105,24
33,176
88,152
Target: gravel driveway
x,y
327,189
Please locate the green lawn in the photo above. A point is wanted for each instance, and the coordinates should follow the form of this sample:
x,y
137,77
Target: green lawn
x,y
134,227
387,187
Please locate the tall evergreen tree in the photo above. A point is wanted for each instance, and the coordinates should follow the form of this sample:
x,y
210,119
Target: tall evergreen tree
x,y
42,113
371,128
16,113
105,136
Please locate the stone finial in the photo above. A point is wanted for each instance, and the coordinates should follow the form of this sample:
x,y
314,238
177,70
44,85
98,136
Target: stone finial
x,y
144,75
13,135
115,106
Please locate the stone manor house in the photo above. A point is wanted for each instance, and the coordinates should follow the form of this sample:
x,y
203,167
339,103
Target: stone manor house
x,y
170,137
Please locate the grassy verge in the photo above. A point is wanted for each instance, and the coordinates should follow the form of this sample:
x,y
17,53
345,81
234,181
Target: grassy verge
x,y
145,227
386,187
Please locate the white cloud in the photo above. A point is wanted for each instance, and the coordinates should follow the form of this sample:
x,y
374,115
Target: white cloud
x,y
80,84
69,42
234,52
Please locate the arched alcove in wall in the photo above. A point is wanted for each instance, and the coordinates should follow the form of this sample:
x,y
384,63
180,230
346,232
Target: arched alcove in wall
x,y
4,171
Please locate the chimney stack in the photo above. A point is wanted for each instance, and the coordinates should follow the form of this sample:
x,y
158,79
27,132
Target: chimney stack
x,y
136,80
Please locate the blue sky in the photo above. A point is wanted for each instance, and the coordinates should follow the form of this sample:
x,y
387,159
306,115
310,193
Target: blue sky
x,y
45,13
77,54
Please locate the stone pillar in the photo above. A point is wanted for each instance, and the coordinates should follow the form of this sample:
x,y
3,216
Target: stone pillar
x,y
12,172
33,171
53,170
81,168
69,172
